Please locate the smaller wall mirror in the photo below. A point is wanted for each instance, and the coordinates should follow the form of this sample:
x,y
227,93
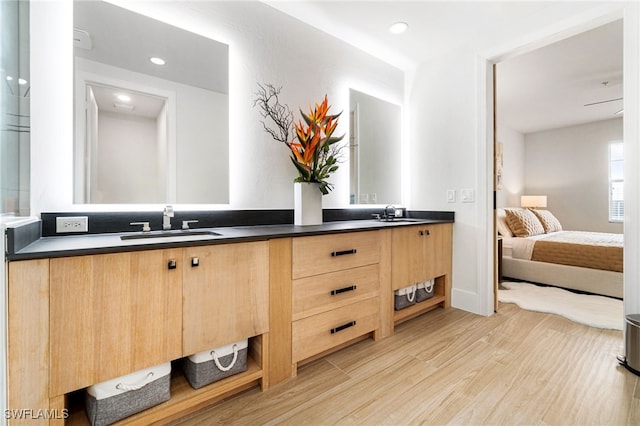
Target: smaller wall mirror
x,y
146,131
374,150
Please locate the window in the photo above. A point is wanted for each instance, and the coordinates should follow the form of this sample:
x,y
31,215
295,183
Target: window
x,y
616,182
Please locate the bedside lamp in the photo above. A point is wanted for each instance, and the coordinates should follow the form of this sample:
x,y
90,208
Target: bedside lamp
x,y
533,201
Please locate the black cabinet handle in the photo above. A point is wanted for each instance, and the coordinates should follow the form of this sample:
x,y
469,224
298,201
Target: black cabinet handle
x,y
342,327
195,262
343,252
426,231
343,290
172,264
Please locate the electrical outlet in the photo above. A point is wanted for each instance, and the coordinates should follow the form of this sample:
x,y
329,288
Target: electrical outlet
x,y
72,224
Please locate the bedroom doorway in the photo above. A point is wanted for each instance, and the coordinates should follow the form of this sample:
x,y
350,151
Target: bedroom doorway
x,y
526,110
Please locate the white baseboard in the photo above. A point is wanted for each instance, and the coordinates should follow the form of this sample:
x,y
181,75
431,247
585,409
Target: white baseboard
x,y
466,301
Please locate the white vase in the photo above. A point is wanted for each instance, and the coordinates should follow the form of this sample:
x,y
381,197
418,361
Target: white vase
x,y
308,204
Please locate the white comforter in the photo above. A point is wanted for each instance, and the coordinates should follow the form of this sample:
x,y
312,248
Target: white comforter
x,y
522,248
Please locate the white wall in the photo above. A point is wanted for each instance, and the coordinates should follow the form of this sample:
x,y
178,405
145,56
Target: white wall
x,y
570,166
513,158
264,46
128,166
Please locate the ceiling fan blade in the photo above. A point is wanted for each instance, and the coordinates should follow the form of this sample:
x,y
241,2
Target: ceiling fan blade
x,y
604,102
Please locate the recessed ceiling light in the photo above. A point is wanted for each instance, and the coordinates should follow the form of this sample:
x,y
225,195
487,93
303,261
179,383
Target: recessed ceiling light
x,y
9,78
22,81
124,107
398,27
123,98
157,61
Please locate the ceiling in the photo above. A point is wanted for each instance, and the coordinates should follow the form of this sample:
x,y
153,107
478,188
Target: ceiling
x,y
546,88
574,81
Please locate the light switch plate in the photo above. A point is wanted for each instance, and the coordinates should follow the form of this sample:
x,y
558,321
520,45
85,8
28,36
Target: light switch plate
x,y
451,195
467,195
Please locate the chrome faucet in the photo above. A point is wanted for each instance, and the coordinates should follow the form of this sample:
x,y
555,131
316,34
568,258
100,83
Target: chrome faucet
x,y
166,218
390,212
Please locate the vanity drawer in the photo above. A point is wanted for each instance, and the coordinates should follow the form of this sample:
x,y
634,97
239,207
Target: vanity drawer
x,y
328,253
320,293
318,333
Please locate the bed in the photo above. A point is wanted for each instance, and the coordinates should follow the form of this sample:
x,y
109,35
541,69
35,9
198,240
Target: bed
x,y
536,249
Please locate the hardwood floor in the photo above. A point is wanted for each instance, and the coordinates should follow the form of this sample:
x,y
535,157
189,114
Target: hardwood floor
x,y
453,367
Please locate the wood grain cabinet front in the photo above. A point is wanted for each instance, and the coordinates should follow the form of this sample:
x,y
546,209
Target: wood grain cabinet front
x,y
321,332
421,253
316,255
113,314
225,294
335,290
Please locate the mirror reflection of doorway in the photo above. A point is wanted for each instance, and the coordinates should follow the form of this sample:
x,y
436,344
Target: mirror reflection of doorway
x,y
126,142
375,136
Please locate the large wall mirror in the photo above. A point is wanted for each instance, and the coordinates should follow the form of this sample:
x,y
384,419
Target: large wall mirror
x,y
374,150
151,110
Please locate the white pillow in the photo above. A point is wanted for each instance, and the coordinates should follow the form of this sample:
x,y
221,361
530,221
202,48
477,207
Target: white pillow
x,y
501,223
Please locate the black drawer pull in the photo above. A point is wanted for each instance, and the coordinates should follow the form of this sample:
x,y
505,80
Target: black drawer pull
x,y
172,264
342,327
343,252
343,290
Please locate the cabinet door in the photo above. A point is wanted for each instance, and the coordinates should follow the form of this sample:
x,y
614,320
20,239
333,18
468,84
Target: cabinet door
x,y
113,314
407,256
226,294
437,250
28,337
420,253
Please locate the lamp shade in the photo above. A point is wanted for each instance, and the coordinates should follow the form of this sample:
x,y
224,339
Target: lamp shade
x,y
533,201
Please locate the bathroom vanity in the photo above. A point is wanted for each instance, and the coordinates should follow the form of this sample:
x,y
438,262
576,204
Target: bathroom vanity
x,y
84,309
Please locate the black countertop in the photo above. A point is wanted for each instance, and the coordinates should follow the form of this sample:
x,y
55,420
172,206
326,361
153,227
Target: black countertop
x,y
73,245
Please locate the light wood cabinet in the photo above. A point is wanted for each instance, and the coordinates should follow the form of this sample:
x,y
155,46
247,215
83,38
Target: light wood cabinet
x,y
420,253
113,314
225,294
336,284
28,337
76,321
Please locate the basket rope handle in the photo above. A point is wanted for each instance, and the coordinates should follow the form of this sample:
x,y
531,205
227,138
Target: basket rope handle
x,y
411,297
429,287
233,361
141,384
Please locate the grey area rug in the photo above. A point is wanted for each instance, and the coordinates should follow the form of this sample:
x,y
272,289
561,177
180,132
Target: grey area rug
x,y
595,311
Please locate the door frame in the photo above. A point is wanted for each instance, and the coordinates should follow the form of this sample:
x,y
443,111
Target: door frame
x,y
487,240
